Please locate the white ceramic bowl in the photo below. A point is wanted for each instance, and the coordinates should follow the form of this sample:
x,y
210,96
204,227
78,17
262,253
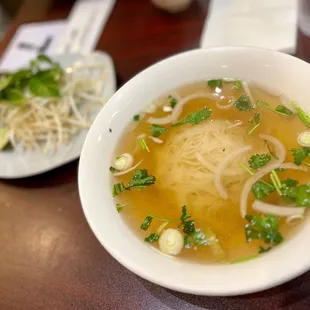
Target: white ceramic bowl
x,y
283,73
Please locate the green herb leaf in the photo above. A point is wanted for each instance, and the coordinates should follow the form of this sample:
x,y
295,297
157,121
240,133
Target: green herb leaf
x,y
199,238
261,189
41,89
195,117
44,58
120,207
238,84
189,227
13,94
243,103
304,117
4,138
279,169
259,160
118,188
300,154
157,130
5,81
184,215
264,250
264,228
173,102
141,179
136,117
153,237
215,83
187,241
146,223
254,122
281,109
303,195
270,151
289,183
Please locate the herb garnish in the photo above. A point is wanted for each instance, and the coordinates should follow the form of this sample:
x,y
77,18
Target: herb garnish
x,y
144,145
259,160
215,83
120,207
238,84
243,103
173,102
246,168
140,180
195,117
276,182
157,130
300,154
136,117
280,109
270,151
263,227
304,117
146,223
298,194
261,189
254,122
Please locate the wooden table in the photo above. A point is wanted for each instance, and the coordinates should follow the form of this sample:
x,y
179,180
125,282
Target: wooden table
x,y
49,258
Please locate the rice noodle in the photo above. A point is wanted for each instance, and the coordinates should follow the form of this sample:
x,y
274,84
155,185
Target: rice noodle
x,y
280,149
156,140
234,125
160,121
222,166
246,88
128,170
212,168
262,172
277,210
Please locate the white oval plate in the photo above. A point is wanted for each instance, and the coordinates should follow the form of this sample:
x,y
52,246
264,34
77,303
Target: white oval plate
x,y
19,164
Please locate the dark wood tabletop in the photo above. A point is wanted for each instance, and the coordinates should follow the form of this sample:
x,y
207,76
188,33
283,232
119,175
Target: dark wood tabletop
x,y
49,258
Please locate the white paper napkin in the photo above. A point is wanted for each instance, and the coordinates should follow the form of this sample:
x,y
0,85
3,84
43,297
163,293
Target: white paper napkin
x,y
265,23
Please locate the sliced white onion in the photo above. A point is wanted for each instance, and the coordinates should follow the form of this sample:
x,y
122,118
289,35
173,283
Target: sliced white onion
x,y
239,123
280,149
246,88
221,168
151,108
117,174
123,162
167,108
267,208
212,168
294,218
294,167
156,140
171,242
303,138
258,175
160,121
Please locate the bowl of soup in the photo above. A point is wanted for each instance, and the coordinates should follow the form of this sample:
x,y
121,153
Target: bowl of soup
x,y
195,174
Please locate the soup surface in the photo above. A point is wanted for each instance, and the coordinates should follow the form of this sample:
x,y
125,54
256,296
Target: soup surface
x,y
205,162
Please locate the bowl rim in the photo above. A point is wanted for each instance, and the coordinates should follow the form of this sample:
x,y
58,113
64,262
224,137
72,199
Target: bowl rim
x,y
131,265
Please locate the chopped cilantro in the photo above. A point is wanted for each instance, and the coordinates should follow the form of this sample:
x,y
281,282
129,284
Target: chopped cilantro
x,y
259,160
289,183
238,84
195,117
146,223
254,122
187,241
270,151
157,130
153,237
304,117
215,83
136,117
281,109
263,227
173,102
118,188
264,250
279,169
261,189
141,179
189,227
243,103
120,207
300,154
199,238
184,215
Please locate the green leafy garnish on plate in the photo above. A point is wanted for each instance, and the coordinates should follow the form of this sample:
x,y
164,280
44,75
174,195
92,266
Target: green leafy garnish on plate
x,y
304,117
173,102
120,207
261,189
254,123
157,130
215,83
280,109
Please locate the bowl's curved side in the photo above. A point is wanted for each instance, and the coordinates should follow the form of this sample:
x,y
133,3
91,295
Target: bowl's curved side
x,y
282,72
